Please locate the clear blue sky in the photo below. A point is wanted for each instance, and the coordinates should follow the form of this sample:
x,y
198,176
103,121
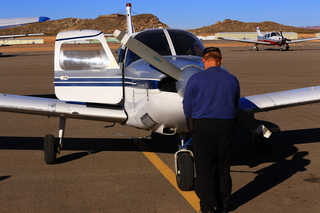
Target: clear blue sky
x,y
175,13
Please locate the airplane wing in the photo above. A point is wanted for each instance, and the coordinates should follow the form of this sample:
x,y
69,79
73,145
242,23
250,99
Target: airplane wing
x,y
254,41
21,35
9,37
277,100
273,101
57,108
302,40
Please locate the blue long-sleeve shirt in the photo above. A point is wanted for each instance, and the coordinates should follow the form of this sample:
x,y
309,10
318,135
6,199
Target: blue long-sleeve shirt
x,y
212,93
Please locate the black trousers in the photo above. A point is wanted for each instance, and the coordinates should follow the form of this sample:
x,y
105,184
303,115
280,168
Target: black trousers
x,y
212,139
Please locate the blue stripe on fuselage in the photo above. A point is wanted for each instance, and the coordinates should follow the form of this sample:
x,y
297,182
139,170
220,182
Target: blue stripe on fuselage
x,y
103,82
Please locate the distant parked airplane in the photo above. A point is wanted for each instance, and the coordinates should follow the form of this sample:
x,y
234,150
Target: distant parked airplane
x,y
4,39
270,38
13,22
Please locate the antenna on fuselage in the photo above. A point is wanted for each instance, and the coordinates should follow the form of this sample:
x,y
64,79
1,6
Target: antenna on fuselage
x,y
130,29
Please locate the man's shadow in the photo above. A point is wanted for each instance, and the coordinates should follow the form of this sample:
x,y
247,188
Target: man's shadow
x,y
282,169
269,177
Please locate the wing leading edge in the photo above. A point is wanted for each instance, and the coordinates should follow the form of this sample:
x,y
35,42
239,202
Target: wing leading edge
x,y
253,41
277,100
302,40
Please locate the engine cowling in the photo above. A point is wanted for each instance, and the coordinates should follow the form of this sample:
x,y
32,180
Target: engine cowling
x,y
187,72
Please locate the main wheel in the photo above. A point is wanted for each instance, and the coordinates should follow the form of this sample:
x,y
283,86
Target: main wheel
x,y
185,176
287,47
50,149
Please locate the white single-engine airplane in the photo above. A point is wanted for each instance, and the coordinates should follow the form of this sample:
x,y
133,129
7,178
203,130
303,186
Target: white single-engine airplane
x,y
144,89
270,38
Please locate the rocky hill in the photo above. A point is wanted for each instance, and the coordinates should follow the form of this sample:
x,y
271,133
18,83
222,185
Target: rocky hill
x,y
109,23
228,25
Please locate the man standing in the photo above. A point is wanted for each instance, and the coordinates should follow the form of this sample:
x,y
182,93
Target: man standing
x,y
210,102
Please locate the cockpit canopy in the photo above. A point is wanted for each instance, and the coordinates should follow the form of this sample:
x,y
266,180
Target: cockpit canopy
x,y
167,42
268,35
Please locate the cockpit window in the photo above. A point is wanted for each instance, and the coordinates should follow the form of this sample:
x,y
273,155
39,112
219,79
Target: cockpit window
x,y
83,55
184,43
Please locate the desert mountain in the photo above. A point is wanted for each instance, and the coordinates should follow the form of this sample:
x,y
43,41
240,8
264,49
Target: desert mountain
x,y
109,23
228,25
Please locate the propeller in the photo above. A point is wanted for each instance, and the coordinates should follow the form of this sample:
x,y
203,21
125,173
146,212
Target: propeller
x,y
171,70
149,55
283,40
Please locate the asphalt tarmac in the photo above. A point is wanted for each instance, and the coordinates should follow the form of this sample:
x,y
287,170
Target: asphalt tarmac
x,y
105,170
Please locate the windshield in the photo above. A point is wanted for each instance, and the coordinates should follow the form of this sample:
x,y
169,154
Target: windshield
x,y
176,42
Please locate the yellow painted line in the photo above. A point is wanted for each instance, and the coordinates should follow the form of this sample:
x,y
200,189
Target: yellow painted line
x,y
190,196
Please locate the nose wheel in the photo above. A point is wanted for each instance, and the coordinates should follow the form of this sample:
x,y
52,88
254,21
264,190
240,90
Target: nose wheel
x,y
184,167
185,171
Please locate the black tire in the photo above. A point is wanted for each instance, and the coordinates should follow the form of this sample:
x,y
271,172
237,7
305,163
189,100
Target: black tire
x,y
50,149
185,176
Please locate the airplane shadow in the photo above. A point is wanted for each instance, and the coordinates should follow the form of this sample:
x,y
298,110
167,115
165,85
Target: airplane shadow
x,y
287,158
4,177
87,146
72,157
8,56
